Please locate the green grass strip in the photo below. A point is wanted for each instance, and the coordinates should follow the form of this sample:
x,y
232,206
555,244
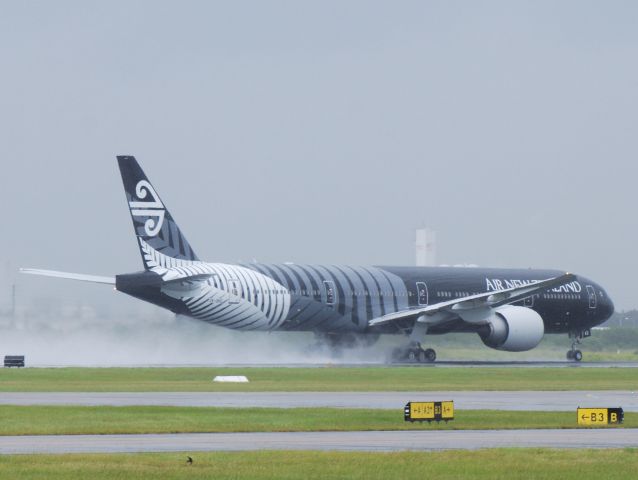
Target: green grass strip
x,y
48,420
506,464
334,379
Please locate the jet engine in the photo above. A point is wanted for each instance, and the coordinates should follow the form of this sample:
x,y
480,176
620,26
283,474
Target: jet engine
x,y
513,329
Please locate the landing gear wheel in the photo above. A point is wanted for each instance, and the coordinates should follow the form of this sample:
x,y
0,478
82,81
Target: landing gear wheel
x,y
413,354
576,337
430,355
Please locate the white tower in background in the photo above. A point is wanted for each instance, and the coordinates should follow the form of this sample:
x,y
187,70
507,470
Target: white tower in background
x,y
425,247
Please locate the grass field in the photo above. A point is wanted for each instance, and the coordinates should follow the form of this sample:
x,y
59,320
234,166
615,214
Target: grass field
x,y
509,464
336,379
49,420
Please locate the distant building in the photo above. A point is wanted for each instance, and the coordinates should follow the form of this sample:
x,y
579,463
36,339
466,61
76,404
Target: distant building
x,y
425,247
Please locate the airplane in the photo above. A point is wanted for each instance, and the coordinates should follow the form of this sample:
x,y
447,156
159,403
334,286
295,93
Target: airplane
x,y
510,309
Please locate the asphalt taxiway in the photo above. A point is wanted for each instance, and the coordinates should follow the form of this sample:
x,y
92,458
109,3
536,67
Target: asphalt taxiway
x,y
343,441
466,400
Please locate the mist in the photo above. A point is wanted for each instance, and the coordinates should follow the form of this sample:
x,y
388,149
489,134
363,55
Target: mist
x,y
76,335
80,338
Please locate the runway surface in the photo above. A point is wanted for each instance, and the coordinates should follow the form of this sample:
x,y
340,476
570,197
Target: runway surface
x,y
531,363
339,364
478,400
346,441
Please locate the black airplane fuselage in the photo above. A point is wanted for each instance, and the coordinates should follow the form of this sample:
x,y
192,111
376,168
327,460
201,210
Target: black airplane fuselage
x,y
337,299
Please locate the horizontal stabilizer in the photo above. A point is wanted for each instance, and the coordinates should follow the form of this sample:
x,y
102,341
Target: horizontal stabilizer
x,y
71,276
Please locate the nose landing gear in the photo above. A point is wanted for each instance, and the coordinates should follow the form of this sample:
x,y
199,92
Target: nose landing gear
x,y
574,354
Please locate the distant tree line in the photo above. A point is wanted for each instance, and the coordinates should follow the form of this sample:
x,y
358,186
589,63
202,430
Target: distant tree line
x,y
623,319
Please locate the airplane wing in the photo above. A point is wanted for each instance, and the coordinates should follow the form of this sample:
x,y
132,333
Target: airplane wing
x,y
468,307
70,276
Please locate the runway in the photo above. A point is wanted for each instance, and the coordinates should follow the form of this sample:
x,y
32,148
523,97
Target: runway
x,y
528,364
476,400
339,364
343,441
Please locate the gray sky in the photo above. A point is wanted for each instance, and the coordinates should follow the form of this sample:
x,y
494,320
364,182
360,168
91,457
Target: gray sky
x,y
323,132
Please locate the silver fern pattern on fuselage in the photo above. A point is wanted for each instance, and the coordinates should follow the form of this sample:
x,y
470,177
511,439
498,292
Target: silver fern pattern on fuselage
x,y
287,297
227,295
336,298
238,298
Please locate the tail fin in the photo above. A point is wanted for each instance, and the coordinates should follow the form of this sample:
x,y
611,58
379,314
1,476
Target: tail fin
x,y
153,224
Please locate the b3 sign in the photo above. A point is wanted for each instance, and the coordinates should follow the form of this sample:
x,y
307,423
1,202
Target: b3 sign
x,y
599,416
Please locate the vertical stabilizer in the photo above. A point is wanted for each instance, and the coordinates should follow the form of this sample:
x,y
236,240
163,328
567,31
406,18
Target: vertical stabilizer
x,y
152,222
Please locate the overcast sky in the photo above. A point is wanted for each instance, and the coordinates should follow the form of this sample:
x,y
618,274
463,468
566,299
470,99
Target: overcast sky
x,y
323,132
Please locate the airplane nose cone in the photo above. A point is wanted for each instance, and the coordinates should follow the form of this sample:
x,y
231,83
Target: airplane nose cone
x,y
610,306
607,307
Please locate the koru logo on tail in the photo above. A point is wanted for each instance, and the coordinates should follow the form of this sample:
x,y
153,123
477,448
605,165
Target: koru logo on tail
x,y
152,208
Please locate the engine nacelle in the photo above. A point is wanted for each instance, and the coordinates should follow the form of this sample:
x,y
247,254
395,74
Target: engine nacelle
x,y
513,329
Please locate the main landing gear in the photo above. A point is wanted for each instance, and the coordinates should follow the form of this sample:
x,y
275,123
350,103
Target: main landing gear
x,y
414,353
574,354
